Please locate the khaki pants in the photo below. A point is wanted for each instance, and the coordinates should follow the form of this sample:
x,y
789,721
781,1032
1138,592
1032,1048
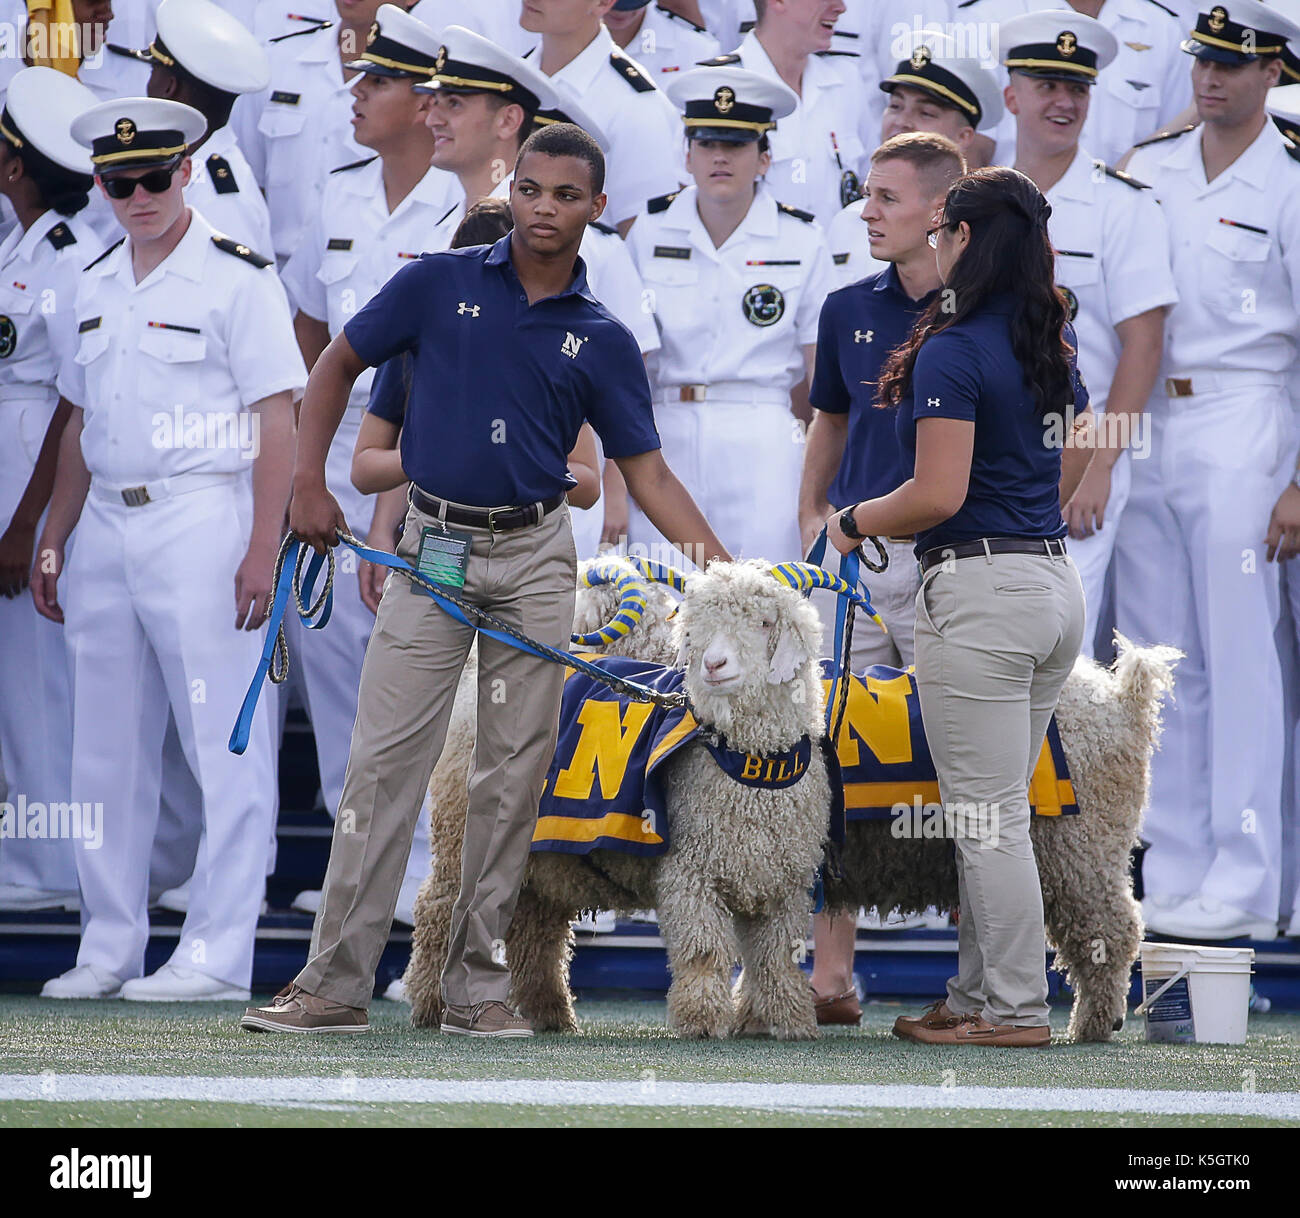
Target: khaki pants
x,y
408,681
996,638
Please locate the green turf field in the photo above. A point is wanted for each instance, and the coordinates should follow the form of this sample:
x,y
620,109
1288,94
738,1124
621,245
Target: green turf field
x,y
112,1063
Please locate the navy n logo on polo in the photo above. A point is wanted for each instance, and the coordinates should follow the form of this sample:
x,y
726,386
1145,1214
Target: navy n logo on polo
x,y
499,388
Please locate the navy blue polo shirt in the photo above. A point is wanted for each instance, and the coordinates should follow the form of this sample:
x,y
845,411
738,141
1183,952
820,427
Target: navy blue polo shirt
x,y
968,371
499,388
859,326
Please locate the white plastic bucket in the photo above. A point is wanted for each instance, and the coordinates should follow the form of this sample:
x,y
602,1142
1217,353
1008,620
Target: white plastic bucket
x,y
1195,995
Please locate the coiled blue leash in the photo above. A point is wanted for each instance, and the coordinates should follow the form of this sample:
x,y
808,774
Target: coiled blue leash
x,y
291,581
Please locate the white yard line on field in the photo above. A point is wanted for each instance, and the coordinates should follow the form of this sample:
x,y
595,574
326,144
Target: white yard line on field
x,y
660,1093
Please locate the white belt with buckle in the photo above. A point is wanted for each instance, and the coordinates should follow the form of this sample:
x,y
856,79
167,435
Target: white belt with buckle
x,y
1210,380
722,391
162,488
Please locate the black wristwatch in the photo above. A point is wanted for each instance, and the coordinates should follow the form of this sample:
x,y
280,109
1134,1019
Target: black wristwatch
x,y
848,527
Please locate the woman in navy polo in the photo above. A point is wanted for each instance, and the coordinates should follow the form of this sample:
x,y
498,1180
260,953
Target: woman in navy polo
x,y
985,390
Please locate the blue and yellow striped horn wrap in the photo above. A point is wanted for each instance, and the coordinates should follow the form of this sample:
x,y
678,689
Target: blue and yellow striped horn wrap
x,y
660,573
805,576
631,604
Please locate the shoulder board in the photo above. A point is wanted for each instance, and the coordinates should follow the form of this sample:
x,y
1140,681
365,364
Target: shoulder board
x,y
446,214
608,229
1120,176
1292,148
798,213
313,20
1163,6
105,254
365,160
129,52
832,54
61,236
631,73
1166,135
667,12
312,29
223,181
746,26
662,203
719,61
967,3
226,245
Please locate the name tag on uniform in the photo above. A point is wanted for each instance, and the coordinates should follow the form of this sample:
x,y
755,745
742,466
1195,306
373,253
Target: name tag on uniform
x,y
672,251
443,557
91,323
286,99
339,243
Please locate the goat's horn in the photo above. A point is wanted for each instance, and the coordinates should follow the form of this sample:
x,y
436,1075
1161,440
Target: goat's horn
x,y
660,573
805,576
631,604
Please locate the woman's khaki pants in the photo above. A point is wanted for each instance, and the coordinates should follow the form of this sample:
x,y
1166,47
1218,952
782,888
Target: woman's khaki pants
x,y
996,636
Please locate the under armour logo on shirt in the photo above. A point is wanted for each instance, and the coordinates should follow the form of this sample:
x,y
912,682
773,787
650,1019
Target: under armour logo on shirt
x,y
572,345
933,403
472,310
863,336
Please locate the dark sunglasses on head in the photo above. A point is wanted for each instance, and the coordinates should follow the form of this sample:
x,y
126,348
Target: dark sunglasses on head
x,y
155,182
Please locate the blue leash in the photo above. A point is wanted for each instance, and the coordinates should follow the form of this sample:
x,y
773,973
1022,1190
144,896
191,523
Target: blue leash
x,y
289,572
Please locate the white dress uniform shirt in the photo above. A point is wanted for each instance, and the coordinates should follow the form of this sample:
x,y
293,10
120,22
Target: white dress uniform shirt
x,y
1146,85
642,125
814,146
1112,260
39,271
494,19
1190,567
668,43
734,319
297,130
200,332
225,192
196,342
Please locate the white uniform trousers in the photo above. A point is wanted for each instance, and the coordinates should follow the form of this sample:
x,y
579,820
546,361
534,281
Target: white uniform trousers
x,y
1190,571
1092,555
1291,794
741,462
893,596
150,624
330,659
35,706
35,739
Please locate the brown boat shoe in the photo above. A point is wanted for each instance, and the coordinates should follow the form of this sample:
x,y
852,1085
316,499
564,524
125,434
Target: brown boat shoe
x,y
838,1008
936,1015
295,1010
974,1030
490,1018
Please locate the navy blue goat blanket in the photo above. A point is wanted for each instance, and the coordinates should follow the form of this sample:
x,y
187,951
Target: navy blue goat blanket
x,y
603,789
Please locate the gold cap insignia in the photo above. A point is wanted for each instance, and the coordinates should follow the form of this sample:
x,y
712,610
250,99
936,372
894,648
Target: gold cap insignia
x,y
373,33
920,57
1218,18
724,99
441,61
1067,43
125,131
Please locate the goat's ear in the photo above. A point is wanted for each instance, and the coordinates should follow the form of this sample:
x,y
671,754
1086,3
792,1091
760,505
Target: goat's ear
x,y
789,655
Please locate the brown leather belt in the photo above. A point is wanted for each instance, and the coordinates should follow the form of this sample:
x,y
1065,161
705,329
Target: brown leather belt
x,y
1178,386
495,520
1045,547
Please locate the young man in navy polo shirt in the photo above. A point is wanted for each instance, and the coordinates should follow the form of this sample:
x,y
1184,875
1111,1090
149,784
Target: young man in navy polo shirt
x,y
852,449
511,354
